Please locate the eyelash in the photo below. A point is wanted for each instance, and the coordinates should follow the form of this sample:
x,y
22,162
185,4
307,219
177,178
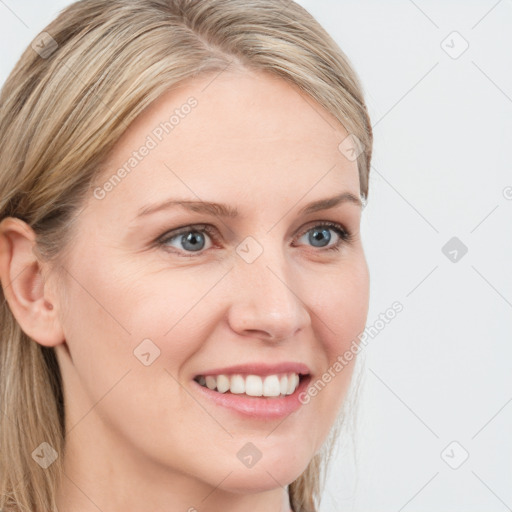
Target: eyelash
x,y
345,237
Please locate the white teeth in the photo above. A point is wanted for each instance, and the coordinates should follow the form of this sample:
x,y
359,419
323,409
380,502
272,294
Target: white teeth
x,y
283,385
293,382
211,382
252,385
271,386
222,383
237,384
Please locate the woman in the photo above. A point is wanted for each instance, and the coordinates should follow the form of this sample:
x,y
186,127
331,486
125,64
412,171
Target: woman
x,y
182,185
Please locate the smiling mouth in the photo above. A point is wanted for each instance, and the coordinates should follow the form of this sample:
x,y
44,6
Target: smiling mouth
x,y
276,385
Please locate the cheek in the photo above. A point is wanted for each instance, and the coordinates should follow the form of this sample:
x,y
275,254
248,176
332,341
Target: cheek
x,y
129,334
341,304
176,310
124,300
340,317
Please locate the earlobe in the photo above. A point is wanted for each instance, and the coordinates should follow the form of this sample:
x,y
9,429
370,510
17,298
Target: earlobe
x,y
24,285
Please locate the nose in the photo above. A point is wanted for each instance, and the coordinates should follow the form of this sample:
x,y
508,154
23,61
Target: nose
x,y
265,303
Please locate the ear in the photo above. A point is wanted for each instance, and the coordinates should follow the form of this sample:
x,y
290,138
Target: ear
x,y
23,283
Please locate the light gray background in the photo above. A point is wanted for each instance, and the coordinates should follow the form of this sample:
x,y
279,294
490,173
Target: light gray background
x,y
441,370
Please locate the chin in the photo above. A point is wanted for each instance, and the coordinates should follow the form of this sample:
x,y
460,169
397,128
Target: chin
x,y
276,470
248,481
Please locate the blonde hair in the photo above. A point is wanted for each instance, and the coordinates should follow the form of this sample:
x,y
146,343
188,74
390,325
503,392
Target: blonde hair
x,y
61,112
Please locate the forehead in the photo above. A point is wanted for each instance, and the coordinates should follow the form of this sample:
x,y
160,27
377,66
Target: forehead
x,y
244,133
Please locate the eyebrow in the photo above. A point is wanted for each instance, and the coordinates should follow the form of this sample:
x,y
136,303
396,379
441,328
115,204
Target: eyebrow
x,y
223,210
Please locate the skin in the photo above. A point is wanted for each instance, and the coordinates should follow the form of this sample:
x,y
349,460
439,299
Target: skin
x,y
139,437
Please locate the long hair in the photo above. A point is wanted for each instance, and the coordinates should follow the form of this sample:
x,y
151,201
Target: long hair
x,y
68,100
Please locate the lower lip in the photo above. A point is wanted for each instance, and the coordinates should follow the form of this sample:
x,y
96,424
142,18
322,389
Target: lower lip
x,y
260,407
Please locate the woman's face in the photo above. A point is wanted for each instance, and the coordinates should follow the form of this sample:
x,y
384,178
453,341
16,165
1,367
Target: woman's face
x,y
155,299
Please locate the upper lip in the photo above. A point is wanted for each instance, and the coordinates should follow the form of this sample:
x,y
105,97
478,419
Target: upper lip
x,y
260,369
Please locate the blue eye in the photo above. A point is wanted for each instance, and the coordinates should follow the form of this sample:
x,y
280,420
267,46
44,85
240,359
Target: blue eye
x,y
319,235
193,239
